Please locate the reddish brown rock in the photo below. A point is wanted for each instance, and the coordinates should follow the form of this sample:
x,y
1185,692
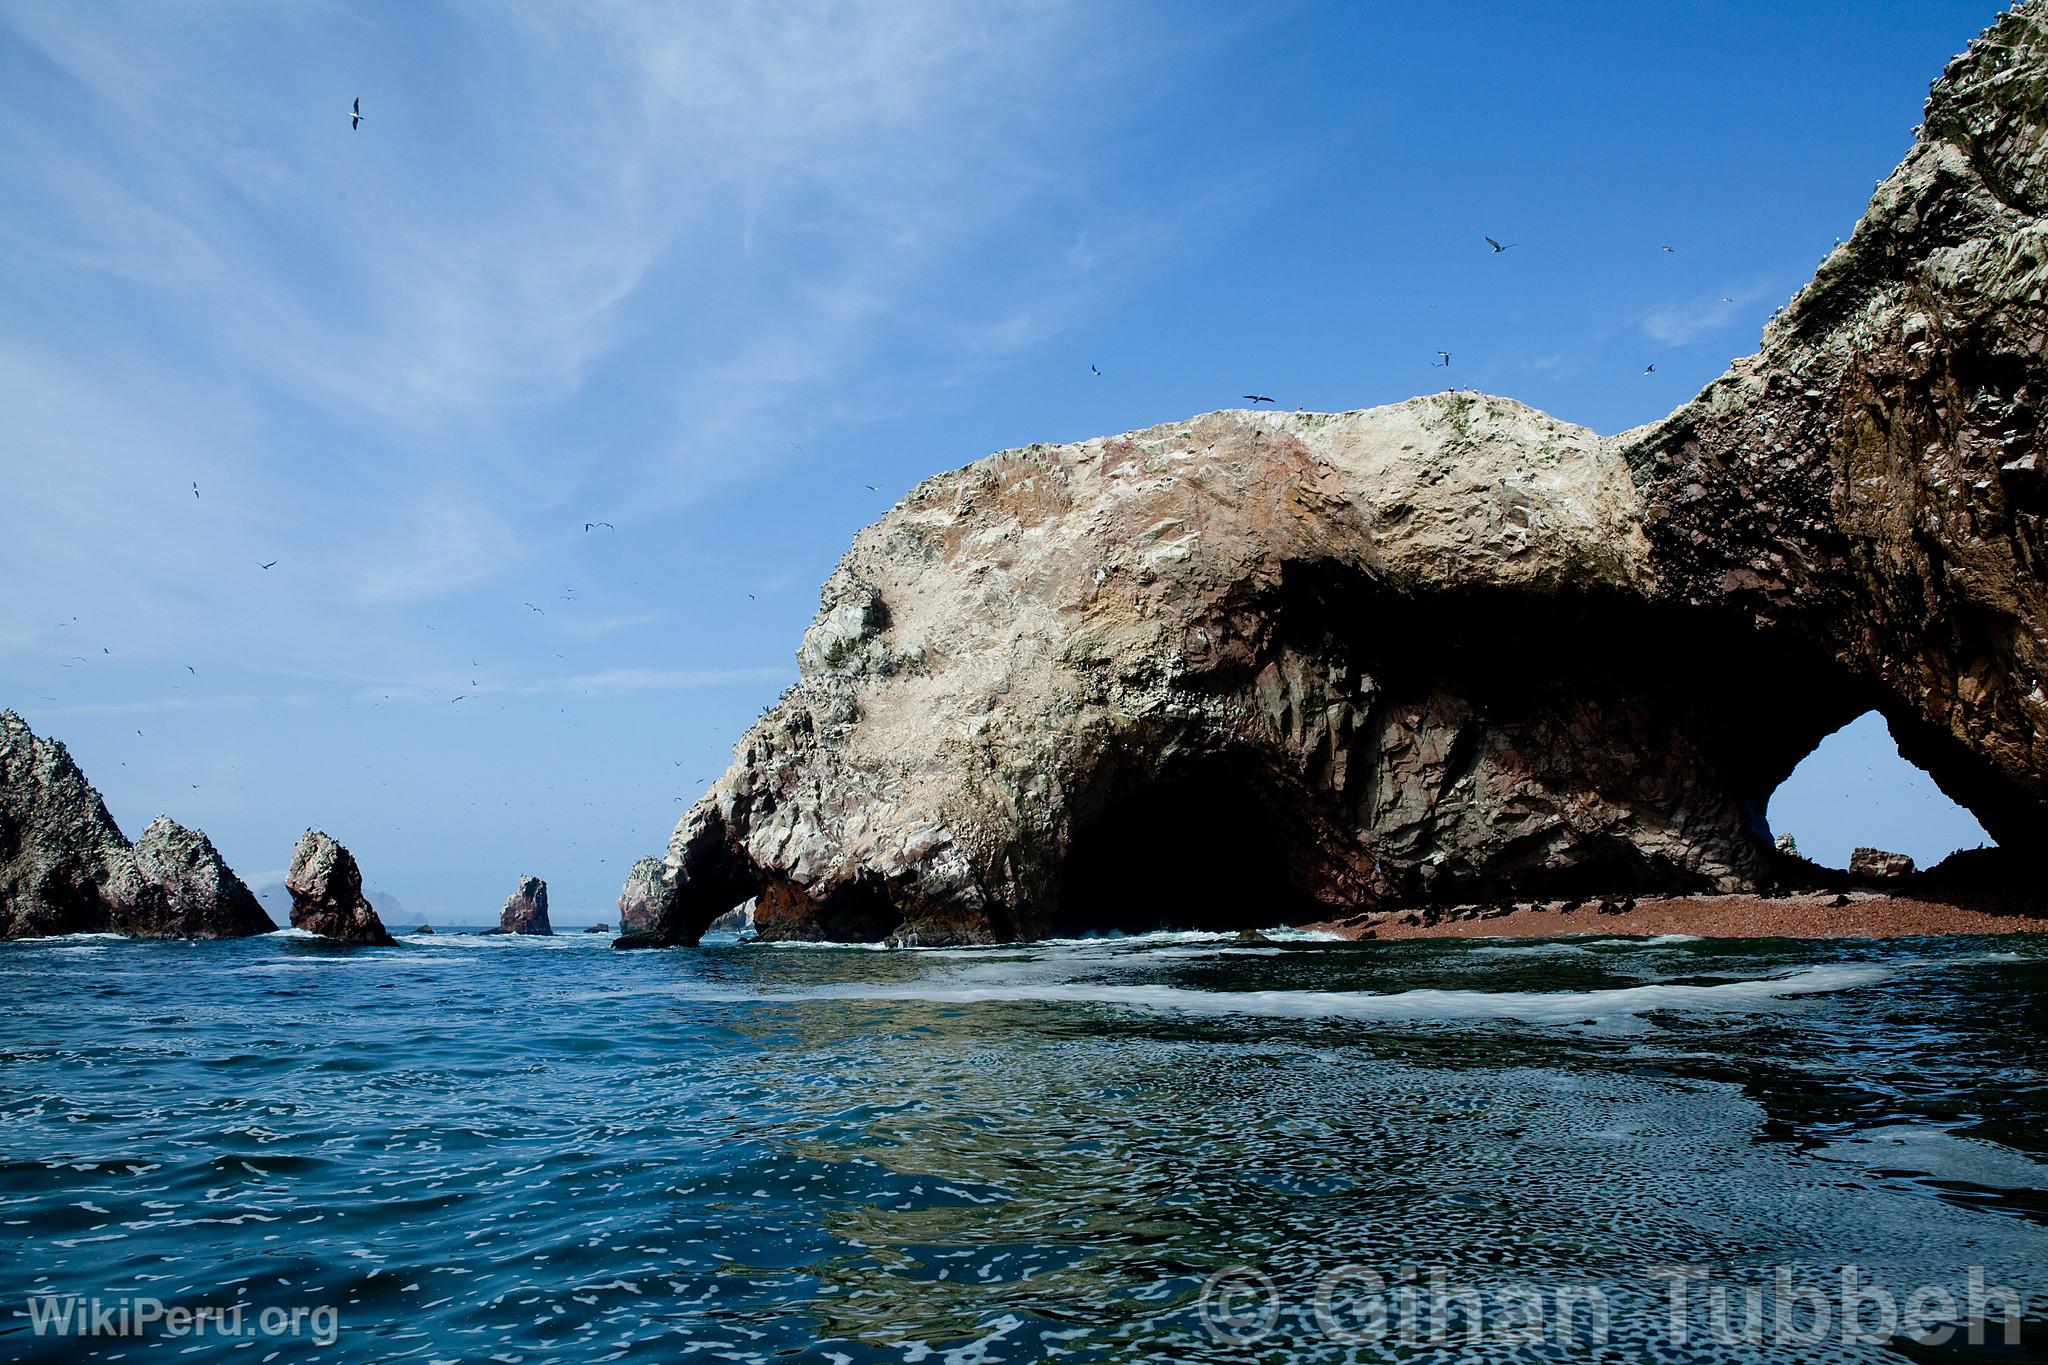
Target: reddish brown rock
x,y
327,893
526,909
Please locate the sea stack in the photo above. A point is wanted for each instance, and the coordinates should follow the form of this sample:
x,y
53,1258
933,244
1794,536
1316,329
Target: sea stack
x,y
526,910
66,868
1448,650
327,893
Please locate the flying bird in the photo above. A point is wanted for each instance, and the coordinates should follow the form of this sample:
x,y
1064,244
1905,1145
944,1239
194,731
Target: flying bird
x,y
355,114
871,488
195,491
1667,248
588,526
453,700
193,671
1097,373
271,565
1445,363
1257,398
532,608
1498,247
1649,369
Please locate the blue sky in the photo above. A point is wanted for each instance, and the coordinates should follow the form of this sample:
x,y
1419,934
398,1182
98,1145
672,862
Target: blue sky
x,y
705,271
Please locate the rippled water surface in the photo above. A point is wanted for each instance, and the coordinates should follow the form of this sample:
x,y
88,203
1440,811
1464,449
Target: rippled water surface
x,y
529,1150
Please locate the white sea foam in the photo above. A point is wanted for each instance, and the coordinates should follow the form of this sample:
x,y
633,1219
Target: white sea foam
x,y
1542,1007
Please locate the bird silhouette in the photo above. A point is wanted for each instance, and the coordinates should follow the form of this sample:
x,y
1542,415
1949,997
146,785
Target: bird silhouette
x,y
590,525
355,114
1097,373
271,565
871,488
195,491
453,700
1498,247
1649,369
532,608
1443,364
1668,249
1257,398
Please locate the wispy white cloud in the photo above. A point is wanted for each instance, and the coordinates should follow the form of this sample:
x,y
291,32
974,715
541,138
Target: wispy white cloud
x,y
608,682
1680,322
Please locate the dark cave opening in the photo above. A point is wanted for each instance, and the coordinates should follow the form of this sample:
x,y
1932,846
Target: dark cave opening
x,y
1199,846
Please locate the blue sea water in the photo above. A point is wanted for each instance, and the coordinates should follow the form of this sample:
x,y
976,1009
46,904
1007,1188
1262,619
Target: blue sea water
x,y
1167,1148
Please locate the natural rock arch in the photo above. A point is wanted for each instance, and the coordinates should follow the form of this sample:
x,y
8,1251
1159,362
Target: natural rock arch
x,y
1454,646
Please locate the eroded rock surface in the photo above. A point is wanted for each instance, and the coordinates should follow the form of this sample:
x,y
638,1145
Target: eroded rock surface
x,y
647,897
1258,666
66,868
327,893
526,909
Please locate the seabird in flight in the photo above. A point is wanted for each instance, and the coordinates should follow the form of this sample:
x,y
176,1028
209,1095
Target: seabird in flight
x,y
1649,369
1498,247
1257,398
1094,371
590,525
271,565
1443,364
355,115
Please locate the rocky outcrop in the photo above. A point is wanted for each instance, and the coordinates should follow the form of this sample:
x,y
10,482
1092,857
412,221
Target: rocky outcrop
x,y
327,893
526,909
65,866
1258,666
1875,862
648,897
201,895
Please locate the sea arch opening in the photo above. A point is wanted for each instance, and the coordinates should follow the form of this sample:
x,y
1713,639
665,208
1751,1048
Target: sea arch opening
x,y
1856,790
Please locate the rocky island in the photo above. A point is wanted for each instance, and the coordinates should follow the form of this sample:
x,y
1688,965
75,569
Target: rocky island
x,y
1260,665
526,910
66,868
327,893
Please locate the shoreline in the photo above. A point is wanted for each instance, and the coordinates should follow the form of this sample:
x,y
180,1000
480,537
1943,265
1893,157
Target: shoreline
x,y
1803,915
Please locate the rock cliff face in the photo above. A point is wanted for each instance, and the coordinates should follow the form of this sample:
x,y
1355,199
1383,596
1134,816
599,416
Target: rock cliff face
x,y
66,868
1258,665
526,910
327,893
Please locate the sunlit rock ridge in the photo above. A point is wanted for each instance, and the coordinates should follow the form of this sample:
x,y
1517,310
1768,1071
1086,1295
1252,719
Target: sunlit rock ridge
x,y
1261,665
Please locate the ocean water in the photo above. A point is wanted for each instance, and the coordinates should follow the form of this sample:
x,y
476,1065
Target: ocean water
x,y
1167,1148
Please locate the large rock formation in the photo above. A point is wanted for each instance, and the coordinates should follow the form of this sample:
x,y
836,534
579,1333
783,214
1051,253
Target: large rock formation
x,y
1256,665
526,909
66,868
648,897
327,893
